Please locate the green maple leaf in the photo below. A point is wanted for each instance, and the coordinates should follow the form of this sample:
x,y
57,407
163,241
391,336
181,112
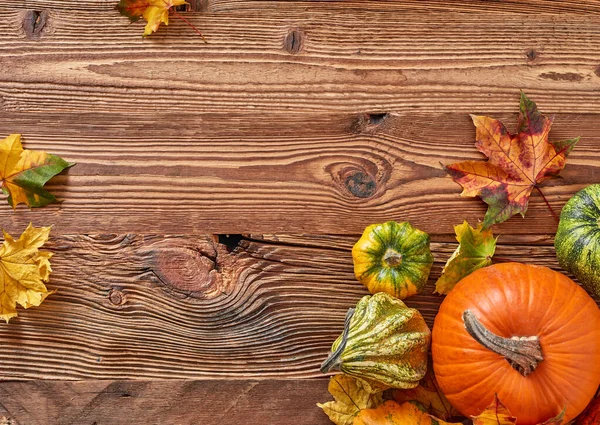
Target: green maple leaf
x,y
475,250
24,172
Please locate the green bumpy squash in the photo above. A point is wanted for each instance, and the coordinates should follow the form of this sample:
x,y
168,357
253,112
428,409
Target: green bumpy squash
x,y
384,342
394,258
577,240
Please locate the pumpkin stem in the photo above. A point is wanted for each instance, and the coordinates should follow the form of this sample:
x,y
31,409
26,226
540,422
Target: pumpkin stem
x,y
333,361
523,353
392,258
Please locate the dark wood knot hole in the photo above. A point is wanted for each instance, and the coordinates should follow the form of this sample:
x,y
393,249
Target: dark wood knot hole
x,y
293,41
34,23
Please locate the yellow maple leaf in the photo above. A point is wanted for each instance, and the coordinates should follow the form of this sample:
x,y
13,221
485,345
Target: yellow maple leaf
x,y
429,394
24,172
351,396
154,12
157,12
23,271
495,414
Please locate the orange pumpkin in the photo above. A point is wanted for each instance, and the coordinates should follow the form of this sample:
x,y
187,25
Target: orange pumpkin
x,y
527,333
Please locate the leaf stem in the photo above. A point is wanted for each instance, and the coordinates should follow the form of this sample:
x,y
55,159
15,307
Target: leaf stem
x,y
189,23
556,217
348,395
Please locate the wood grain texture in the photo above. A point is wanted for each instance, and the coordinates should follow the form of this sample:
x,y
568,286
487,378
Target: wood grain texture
x,y
174,402
346,62
495,6
266,173
297,125
231,6
149,307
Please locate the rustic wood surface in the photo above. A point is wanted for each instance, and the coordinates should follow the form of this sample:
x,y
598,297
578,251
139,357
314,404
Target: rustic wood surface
x,y
202,243
179,402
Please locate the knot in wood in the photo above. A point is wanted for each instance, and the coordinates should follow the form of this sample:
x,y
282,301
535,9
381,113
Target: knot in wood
x,y
531,55
293,41
360,177
199,270
360,184
116,297
34,23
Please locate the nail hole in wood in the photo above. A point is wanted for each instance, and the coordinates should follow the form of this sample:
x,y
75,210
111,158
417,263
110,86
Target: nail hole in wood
x,y
368,122
293,41
376,119
531,55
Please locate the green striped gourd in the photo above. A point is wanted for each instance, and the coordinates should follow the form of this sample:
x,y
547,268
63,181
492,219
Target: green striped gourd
x,y
384,342
577,240
394,258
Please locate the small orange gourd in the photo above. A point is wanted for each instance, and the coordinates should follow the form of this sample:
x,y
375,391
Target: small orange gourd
x,y
527,333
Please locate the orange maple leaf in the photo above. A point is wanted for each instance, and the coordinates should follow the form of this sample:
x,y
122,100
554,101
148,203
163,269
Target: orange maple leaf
x,y
392,413
133,9
517,162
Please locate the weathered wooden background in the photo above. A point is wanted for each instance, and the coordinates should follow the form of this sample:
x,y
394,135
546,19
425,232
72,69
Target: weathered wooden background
x,y
202,246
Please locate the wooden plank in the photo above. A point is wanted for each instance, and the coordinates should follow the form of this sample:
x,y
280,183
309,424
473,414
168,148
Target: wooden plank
x,y
154,307
223,6
495,6
257,173
180,402
319,61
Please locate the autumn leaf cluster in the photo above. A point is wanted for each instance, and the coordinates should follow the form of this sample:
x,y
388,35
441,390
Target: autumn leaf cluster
x,y
355,404
517,164
24,269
